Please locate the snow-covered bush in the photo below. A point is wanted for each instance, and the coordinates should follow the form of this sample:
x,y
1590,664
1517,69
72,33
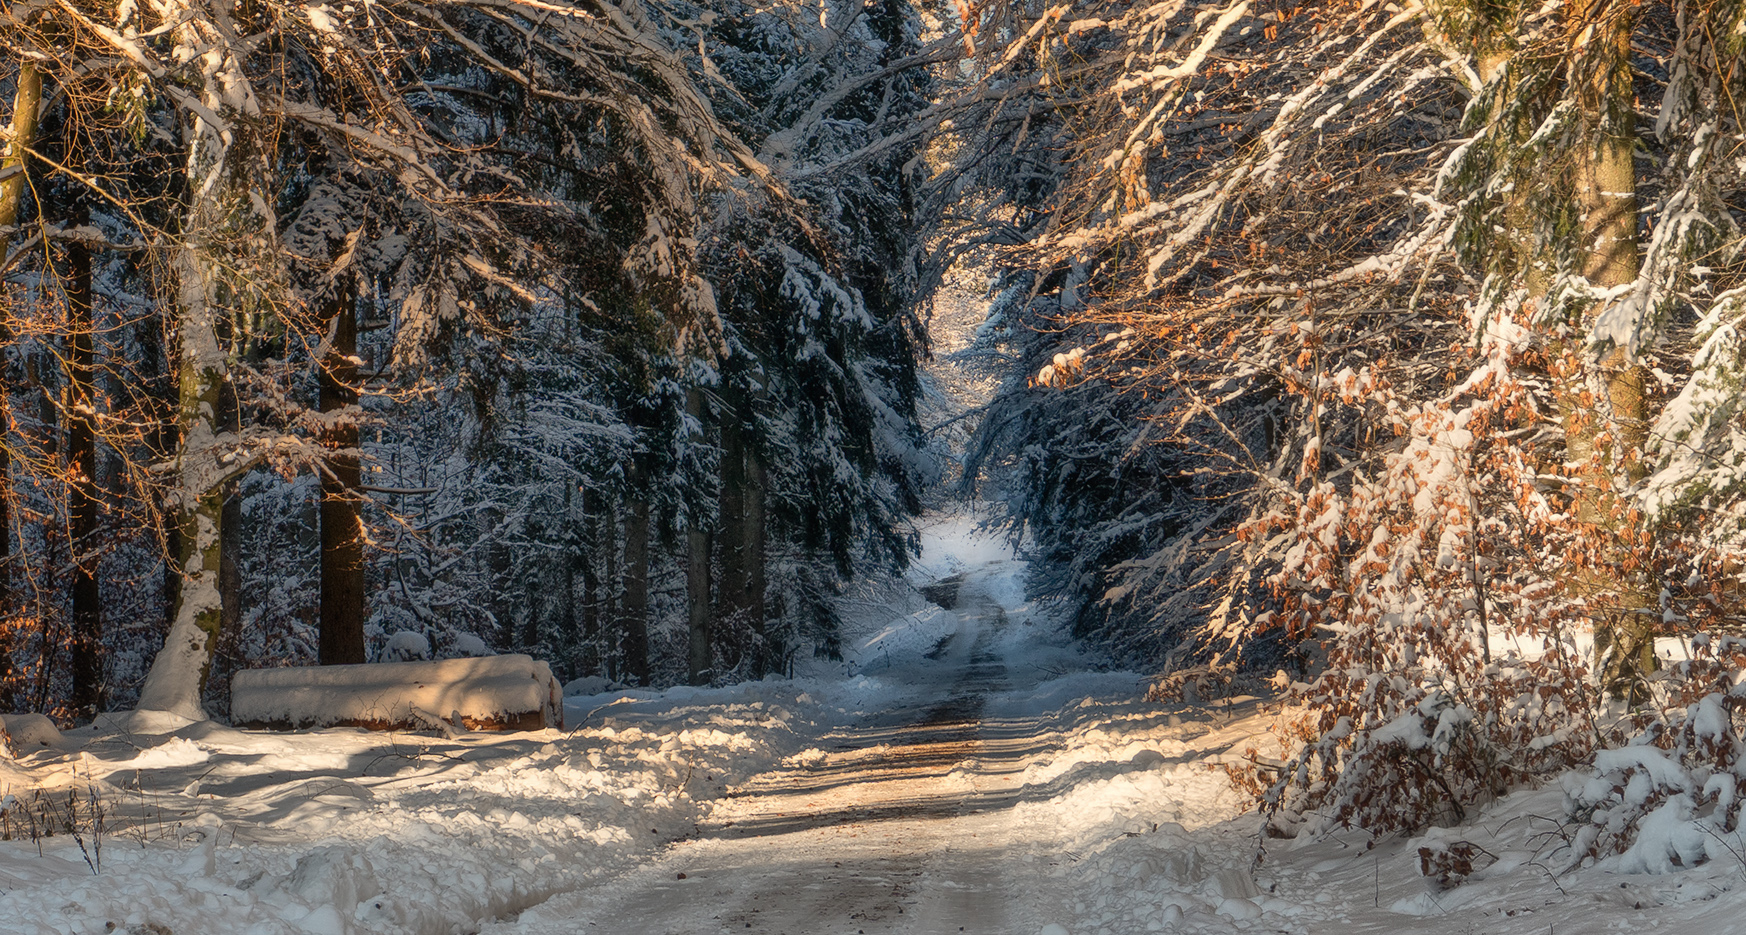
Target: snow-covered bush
x,y
469,644
1671,797
1452,671
405,646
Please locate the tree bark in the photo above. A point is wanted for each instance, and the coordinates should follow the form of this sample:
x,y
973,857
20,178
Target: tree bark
x,y
1606,423
700,655
593,595
634,617
742,536
568,636
734,612
767,656
342,538
612,587
82,497
179,671
26,107
229,573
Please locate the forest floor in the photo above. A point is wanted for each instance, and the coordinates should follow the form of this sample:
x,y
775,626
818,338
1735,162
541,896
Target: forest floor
x,y
967,769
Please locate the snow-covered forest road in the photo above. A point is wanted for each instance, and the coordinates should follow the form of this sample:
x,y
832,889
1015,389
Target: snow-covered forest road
x,y
901,822
968,769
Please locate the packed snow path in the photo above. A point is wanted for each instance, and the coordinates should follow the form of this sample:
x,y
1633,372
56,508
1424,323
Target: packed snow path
x,y
902,824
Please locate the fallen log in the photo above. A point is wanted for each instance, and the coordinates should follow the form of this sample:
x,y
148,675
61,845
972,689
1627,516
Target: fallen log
x,y
495,693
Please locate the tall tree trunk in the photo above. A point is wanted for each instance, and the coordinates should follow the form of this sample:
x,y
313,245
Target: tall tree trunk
x,y
206,456
44,581
634,617
157,339
230,523
342,538
178,673
734,615
769,654
593,595
568,635
700,631
613,657
87,699
26,107
229,574
742,536
1606,422
700,655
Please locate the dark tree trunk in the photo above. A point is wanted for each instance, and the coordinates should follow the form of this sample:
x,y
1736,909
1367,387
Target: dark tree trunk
x,y
158,354
700,656
7,702
699,631
731,510
229,524
44,582
567,637
87,662
593,596
229,574
342,540
6,647
753,522
613,657
742,538
768,654
26,106
634,617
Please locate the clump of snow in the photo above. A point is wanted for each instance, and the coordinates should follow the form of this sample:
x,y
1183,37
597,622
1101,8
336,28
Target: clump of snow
x,y
406,646
468,644
590,685
178,751
145,721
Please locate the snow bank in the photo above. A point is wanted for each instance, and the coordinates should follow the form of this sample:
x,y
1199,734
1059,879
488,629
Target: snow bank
x,y
30,732
915,635
487,693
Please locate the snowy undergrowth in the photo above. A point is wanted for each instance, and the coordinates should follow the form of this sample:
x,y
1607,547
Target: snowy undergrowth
x,y
1146,834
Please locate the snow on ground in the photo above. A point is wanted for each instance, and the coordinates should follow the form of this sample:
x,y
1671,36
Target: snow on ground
x,y
212,829
989,778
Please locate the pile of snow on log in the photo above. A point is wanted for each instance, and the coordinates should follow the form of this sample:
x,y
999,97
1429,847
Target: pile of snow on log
x,y
511,692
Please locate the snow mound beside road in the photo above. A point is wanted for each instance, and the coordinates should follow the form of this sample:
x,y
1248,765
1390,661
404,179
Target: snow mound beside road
x,y
213,829
915,635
